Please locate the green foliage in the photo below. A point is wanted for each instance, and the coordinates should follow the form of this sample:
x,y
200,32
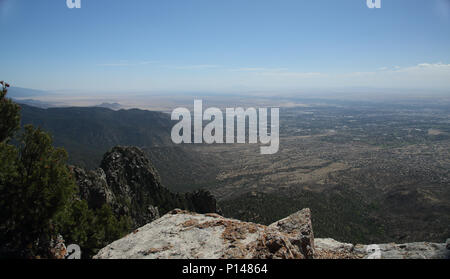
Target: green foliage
x,y
74,222
38,195
107,228
9,112
92,230
35,186
340,213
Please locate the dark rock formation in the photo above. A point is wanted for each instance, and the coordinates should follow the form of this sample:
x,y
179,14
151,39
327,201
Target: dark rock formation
x,y
93,187
202,201
128,182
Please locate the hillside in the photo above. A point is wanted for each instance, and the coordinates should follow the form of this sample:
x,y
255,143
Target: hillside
x,y
88,132
128,182
371,174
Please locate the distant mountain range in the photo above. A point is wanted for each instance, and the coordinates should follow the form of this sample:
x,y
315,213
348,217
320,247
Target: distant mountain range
x,y
28,96
34,103
113,106
88,132
19,92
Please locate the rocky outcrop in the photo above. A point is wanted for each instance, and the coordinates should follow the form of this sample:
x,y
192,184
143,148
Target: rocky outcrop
x,y
93,187
329,248
57,248
128,182
299,229
182,234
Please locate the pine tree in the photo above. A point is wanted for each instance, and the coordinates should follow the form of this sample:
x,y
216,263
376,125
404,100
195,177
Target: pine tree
x,y
9,113
35,186
38,195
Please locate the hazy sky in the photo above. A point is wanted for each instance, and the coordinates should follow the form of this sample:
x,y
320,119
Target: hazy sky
x,y
224,45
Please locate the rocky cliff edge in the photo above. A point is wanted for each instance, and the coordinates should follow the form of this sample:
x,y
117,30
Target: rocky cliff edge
x,y
185,235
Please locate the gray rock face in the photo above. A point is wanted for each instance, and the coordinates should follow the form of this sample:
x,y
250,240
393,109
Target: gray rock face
x,y
329,244
299,229
185,235
416,250
330,248
181,234
136,183
93,187
154,212
128,182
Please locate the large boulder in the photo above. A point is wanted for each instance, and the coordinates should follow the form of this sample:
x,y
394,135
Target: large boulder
x,y
186,235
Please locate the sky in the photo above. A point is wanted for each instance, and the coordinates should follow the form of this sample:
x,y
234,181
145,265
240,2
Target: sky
x,y
224,45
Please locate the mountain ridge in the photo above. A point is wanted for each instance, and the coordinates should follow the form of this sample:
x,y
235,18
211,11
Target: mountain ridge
x,y
88,132
128,182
